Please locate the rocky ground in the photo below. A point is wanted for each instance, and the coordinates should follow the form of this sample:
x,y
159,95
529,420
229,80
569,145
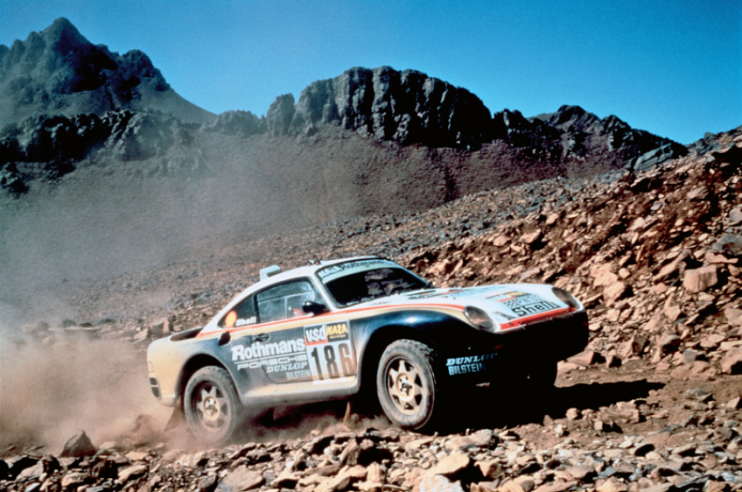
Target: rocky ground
x,y
652,404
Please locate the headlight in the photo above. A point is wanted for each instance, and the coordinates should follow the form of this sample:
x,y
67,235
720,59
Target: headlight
x,y
566,298
479,318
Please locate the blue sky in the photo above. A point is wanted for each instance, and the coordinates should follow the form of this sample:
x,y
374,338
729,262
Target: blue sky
x,y
670,67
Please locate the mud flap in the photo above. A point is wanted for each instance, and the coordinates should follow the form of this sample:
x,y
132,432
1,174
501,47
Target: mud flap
x,y
177,418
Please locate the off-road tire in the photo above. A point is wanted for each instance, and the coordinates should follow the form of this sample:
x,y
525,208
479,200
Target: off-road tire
x,y
212,408
407,386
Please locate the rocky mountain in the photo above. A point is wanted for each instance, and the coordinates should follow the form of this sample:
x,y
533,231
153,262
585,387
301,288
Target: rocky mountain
x,y
57,72
67,102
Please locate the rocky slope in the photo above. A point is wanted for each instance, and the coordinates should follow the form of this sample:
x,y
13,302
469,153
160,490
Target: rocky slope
x,y
652,404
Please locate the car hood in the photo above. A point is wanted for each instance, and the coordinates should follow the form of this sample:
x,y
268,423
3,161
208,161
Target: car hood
x,y
504,303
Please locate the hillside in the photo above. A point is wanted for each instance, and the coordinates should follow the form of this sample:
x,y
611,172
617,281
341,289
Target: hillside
x,y
140,177
652,404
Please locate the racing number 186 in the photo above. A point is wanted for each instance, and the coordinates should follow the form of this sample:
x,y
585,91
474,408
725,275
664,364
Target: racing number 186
x,y
327,362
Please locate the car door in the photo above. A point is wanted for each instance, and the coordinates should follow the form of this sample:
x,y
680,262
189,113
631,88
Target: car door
x,y
288,344
270,347
278,340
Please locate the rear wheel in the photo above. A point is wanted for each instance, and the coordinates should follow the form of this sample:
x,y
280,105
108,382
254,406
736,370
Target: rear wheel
x,y
212,408
406,384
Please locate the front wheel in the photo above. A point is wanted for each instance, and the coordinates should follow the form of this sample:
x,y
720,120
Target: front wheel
x,y
406,384
212,408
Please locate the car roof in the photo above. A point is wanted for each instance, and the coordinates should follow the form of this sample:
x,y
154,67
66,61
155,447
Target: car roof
x,y
306,270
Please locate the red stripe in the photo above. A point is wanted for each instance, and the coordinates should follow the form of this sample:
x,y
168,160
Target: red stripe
x,y
504,326
329,313
534,317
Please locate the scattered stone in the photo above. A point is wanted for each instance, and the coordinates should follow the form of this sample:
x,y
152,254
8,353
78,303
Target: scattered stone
x,y
78,446
731,363
668,343
616,292
241,479
586,358
643,449
451,466
130,472
729,245
733,316
73,480
735,215
438,483
700,279
734,403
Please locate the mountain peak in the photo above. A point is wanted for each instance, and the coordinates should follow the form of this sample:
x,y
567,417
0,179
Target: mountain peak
x,y
59,72
61,25
63,36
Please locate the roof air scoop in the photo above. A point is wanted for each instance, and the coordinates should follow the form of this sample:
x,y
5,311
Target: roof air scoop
x,y
269,271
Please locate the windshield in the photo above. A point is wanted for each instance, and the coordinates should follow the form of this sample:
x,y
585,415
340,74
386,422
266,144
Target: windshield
x,y
356,287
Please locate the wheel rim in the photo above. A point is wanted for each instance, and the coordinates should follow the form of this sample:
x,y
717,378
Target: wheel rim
x,y
211,407
404,385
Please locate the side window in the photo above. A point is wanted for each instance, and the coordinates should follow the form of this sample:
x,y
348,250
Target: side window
x,y
285,300
243,314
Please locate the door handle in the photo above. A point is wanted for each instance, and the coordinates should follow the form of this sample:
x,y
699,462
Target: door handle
x,y
261,338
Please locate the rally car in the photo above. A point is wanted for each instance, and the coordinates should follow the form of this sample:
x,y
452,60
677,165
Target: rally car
x,y
333,329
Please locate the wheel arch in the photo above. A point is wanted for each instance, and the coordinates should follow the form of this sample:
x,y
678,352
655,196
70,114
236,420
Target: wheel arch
x,y
378,341
189,368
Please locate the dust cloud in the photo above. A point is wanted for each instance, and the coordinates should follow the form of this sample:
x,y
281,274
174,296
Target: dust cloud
x,y
51,388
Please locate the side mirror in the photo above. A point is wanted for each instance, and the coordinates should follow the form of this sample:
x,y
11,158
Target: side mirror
x,y
313,307
225,338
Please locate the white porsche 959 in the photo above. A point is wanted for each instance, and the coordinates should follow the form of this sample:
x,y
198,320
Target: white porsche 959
x,y
333,329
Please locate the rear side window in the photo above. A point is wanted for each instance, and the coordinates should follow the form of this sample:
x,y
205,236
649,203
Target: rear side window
x,y
242,315
285,300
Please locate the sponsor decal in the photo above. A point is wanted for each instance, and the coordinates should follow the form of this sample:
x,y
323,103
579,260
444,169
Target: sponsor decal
x,y
230,321
277,364
260,350
337,331
468,365
246,321
433,293
315,335
291,366
293,375
535,308
505,296
351,265
524,304
330,351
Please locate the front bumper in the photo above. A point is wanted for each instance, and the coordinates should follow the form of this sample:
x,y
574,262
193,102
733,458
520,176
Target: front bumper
x,y
555,338
516,350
